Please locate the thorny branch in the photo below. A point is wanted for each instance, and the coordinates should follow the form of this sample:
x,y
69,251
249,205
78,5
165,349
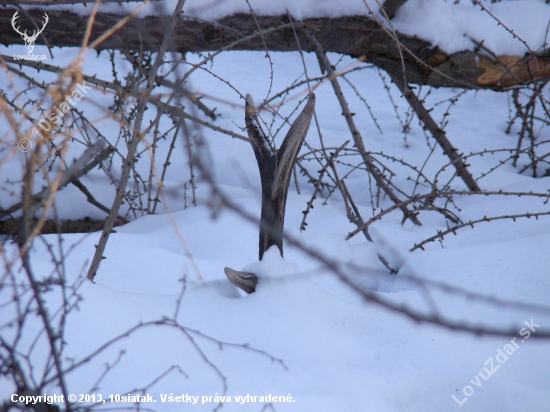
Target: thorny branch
x,y
373,170
438,134
136,139
369,296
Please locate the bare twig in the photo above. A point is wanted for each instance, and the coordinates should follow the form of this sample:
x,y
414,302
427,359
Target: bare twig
x,y
91,199
438,134
136,138
443,193
78,169
441,234
500,23
378,177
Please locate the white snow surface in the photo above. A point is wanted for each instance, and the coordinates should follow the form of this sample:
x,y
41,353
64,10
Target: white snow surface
x,y
454,27
313,338
513,27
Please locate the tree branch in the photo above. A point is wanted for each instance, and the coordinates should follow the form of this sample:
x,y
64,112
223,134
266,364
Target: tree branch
x,y
78,169
438,134
391,7
357,138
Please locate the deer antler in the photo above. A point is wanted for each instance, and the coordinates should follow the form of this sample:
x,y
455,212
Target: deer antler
x,y
35,33
275,169
46,20
13,22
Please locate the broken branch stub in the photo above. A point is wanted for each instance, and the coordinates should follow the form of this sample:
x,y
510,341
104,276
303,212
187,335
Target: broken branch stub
x,y
275,170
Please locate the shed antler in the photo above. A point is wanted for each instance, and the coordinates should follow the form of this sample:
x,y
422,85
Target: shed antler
x,y
275,171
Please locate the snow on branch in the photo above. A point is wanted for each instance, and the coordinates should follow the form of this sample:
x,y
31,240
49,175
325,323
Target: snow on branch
x,y
358,36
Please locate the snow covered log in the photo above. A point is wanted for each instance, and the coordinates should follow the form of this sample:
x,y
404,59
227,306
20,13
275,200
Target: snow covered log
x,y
357,36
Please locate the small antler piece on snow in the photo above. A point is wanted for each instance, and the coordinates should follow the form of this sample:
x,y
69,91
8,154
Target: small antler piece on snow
x,y
243,280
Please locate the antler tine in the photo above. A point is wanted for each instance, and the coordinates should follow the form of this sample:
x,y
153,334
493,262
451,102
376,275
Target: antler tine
x,y
14,22
291,146
46,20
35,33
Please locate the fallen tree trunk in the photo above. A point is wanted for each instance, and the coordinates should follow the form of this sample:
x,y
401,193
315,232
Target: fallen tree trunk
x,y
11,227
356,36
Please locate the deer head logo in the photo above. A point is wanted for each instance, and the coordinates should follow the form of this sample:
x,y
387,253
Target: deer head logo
x,y
29,40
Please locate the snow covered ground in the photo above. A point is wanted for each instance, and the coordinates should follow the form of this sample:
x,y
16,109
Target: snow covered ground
x,y
310,340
